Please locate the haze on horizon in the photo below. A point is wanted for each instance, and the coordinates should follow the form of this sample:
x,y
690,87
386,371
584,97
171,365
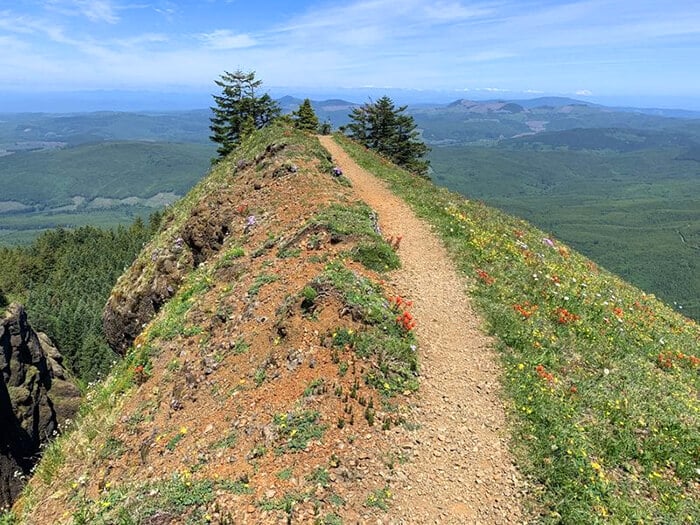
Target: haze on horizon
x,y
642,51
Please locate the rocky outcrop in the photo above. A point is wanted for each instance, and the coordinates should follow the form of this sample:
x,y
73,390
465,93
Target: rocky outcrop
x,y
146,286
158,272
36,397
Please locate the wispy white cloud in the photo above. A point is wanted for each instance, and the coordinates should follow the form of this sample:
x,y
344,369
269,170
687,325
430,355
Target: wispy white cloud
x,y
583,92
452,11
226,39
93,10
490,55
138,41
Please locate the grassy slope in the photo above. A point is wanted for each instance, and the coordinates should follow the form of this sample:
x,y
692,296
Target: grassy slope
x,y
602,378
623,210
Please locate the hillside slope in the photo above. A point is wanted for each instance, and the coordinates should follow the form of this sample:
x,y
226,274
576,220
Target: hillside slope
x,y
601,378
271,380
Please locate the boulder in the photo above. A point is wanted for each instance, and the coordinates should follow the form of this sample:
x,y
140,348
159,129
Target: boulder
x,y
37,396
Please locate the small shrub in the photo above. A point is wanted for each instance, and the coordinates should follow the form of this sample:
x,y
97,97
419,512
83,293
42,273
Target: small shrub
x,y
379,498
297,428
172,444
227,441
260,281
229,258
112,449
320,476
285,474
259,376
315,387
240,346
239,486
376,255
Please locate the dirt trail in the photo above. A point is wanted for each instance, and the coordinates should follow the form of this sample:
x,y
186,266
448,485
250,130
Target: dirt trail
x,y
460,470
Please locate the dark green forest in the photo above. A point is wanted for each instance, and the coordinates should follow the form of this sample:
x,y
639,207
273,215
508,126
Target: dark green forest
x,y
64,278
633,212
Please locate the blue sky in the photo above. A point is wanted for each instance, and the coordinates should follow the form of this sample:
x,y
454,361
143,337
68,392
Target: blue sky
x,y
589,48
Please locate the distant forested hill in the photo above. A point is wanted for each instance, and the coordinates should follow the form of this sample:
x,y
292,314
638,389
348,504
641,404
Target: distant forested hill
x,y
627,198
98,184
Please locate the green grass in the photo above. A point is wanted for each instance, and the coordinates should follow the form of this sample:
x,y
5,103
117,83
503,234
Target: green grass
x,y
285,474
112,449
358,221
127,505
379,498
320,476
314,387
602,378
173,322
347,220
227,441
260,281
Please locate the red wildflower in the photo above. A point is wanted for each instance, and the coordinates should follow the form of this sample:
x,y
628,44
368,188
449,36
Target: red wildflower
x,y
526,309
401,306
395,242
542,372
566,317
485,277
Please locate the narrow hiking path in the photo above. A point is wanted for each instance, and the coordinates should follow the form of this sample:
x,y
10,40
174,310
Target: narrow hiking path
x,y
460,469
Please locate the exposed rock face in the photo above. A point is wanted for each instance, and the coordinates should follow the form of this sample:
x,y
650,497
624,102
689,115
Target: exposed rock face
x,y
36,396
158,272
142,291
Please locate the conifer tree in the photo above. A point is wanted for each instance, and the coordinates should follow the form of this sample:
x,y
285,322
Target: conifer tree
x,y
239,110
305,118
386,129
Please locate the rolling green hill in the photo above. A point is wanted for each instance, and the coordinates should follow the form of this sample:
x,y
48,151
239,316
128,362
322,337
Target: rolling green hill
x,y
101,184
114,170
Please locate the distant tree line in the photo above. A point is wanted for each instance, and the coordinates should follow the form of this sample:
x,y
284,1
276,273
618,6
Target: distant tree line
x,y
64,279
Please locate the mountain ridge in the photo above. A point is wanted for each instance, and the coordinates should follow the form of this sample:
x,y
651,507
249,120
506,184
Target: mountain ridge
x,y
217,411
